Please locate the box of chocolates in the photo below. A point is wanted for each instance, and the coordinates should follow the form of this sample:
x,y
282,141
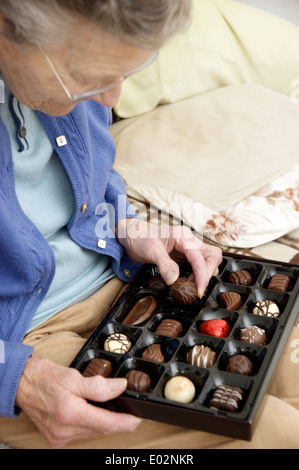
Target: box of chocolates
x,y
201,363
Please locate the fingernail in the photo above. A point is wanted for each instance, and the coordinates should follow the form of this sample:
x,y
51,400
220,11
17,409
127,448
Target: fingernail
x,y
118,384
200,293
170,277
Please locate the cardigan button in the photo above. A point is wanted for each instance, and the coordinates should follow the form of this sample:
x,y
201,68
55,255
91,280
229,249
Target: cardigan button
x,y
23,132
84,207
127,273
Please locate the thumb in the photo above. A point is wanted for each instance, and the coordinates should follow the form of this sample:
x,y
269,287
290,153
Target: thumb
x,y
168,268
100,389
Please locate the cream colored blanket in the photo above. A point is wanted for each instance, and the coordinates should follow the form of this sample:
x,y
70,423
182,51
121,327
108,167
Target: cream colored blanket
x,y
204,158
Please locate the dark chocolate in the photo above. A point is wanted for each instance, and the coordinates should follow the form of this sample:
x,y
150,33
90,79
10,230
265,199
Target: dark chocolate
x,y
231,300
169,327
141,311
240,364
241,278
227,398
279,282
98,366
153,353
183,291
157,283
138,381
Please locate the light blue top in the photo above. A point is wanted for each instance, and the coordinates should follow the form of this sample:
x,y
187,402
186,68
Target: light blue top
x,y
46,197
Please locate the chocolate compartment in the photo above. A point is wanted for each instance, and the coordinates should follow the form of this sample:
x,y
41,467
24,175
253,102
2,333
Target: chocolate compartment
x,y
198,414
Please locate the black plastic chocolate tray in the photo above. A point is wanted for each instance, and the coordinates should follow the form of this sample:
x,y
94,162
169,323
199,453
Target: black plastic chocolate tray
x,y
199,414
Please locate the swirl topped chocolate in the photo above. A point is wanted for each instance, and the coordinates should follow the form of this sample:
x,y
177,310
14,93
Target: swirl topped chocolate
x,y
266,308
141,311
240,364
183,291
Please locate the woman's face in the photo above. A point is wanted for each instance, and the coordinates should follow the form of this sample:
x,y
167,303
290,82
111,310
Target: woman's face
x,y
90,59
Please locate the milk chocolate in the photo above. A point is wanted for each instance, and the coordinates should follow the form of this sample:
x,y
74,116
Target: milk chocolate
x,y
201,356
241,278
279,282
138,381
231,300
153,353
169,327
141,311
98,366
240,364
227,398
183,291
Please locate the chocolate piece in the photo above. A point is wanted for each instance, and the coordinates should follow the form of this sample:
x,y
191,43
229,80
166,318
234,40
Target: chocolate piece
x,y
201,356
241,278
231,300
216,327
227,398
138,381
279,282
117,343
253,334
169,327
98,366
141,311
180,388
240,364
157,283
183,291
153,353
266,308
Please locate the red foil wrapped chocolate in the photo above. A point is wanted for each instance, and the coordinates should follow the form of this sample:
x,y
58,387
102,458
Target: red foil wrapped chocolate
x,y
216,327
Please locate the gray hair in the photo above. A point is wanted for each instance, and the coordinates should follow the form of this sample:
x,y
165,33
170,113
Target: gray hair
x,y
143,23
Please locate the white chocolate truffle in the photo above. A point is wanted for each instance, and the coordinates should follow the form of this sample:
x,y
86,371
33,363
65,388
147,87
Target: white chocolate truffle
x,y
266,308
117,343
180,389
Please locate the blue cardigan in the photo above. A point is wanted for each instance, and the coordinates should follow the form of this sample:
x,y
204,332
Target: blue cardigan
x,y
27,263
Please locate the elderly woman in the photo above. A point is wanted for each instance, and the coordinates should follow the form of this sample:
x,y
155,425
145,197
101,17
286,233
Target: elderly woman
x,y
62,66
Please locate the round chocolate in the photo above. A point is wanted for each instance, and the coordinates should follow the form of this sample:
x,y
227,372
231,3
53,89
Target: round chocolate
x,y
279,282
201,356
183,291
253,334
266,308
180,388
169,327
240,364
157,283
153,353
117,343
138,381
98,366
216,327
241,278
231,300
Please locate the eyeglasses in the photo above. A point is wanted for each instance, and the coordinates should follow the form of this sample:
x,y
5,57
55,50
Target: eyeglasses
x,y
103,87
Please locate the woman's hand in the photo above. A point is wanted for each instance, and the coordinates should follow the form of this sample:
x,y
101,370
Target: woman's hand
x,y
55,399
166,246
